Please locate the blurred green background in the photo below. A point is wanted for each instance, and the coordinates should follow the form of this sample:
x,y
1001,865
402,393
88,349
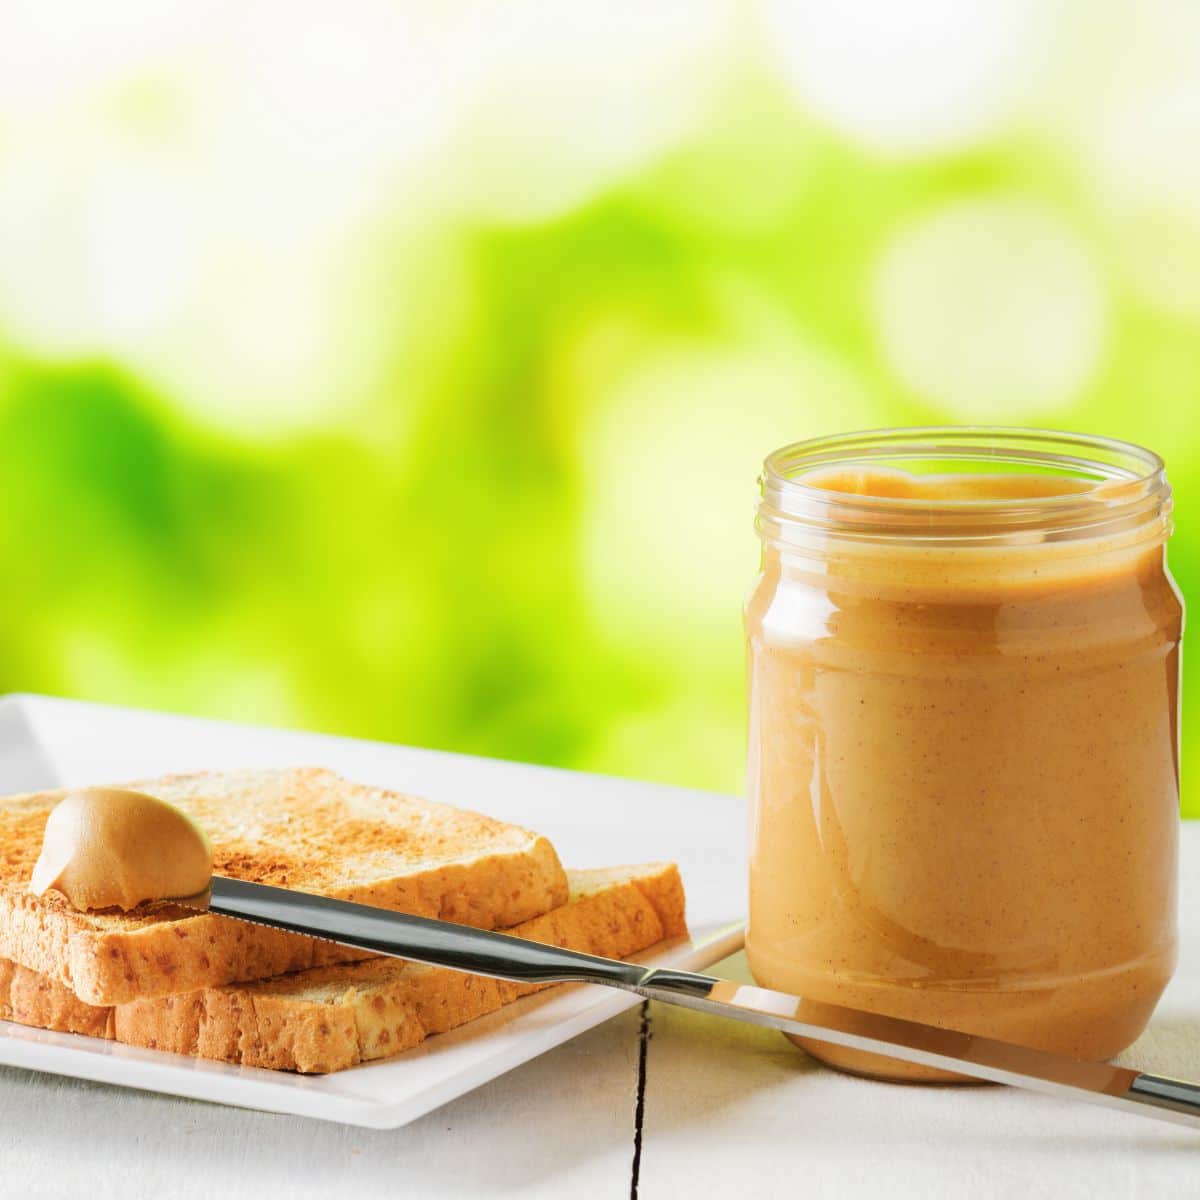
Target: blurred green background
x,y
404,370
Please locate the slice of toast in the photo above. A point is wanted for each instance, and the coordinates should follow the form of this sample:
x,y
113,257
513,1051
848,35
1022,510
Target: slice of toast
x,y
329,1018
303,828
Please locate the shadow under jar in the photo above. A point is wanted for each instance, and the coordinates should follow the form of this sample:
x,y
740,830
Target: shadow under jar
x,y
963,653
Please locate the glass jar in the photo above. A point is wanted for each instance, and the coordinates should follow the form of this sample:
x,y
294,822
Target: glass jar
x,y
963,651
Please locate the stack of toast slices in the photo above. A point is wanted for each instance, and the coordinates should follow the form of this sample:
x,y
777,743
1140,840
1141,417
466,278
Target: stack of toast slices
x,y
194,983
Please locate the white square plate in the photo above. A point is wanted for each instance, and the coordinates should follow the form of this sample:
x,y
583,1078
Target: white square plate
x,y
592,821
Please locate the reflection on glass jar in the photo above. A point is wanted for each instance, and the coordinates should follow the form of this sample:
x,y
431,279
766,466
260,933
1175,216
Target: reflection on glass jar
x,y
963,654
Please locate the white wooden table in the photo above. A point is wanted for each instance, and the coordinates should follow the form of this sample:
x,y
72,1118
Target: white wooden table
x,y
725,1109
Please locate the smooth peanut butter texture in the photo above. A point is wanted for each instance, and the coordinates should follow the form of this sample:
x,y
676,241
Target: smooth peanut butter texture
x,y
896,484
113,848
964,781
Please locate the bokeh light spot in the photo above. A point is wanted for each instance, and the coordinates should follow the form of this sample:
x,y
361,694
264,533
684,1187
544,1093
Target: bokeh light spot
x,y
1145,156
671,458
993,309
566,102
922,77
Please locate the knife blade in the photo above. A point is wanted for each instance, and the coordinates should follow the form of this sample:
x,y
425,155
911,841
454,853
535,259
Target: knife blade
x,y
502,956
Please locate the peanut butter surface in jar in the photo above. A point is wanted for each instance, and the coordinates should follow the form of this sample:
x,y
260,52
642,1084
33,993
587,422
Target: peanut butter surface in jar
x,y
963,651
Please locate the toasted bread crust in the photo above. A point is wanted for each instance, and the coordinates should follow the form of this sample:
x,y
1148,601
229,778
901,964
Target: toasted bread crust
x,y
329,1018
281,827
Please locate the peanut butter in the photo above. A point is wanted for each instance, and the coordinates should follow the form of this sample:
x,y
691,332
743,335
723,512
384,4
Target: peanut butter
x,y
111,848
963,769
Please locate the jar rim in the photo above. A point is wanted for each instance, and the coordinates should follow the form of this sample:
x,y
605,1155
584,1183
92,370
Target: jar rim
x,y
1124,485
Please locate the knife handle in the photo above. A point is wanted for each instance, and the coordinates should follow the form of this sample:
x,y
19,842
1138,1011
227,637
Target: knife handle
x,y
1176,1095
1175,1100
437,943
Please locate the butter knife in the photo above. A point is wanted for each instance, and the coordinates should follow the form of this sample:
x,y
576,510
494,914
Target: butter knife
x,y
461,948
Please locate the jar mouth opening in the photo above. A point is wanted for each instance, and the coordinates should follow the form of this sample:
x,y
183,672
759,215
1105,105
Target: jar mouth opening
x,y
978,484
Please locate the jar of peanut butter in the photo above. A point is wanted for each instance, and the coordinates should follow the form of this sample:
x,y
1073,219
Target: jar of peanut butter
x,y
963,652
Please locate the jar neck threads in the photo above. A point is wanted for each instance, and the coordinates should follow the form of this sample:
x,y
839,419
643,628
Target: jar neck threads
x,y
963,487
